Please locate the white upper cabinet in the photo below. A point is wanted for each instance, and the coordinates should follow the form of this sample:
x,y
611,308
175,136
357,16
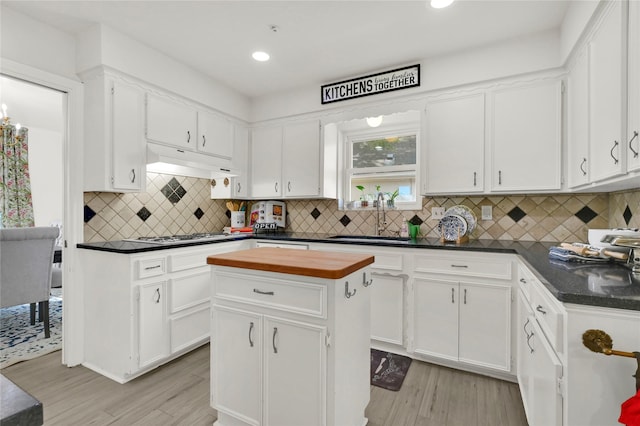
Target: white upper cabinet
x,y
215,135
605,91
171,123
526,137
266,162
454,154
633,129
578,126
241,161
114,145
301,159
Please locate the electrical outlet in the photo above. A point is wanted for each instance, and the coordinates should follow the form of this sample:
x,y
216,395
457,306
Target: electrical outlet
x,y
437,213
487,213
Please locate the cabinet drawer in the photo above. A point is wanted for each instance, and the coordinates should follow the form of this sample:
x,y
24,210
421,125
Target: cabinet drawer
x,y
387,261
189,290
151,267
189,329
525,281
460,265
291,296
548,314
191,259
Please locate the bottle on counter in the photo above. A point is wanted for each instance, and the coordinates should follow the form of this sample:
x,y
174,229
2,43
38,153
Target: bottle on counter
x,y
404,229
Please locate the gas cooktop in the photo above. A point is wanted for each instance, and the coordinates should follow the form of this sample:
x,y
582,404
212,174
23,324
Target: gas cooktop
x,y
173,239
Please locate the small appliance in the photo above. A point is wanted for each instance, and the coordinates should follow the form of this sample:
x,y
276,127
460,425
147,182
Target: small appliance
x,y
268,212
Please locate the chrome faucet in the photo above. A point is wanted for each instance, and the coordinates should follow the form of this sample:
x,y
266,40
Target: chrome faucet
x,y
380,227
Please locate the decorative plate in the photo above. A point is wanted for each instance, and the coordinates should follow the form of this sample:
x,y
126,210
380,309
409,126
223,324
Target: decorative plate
x,y
452,227
466,213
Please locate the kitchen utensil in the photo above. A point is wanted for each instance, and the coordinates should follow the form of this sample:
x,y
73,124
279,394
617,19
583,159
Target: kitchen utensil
x,y
599,341
596,235
230,206
602,252
236,206
243,206
380,366
621,241
582,251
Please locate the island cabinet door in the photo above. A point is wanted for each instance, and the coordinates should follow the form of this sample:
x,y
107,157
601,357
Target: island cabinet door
x,y
295,371
236,364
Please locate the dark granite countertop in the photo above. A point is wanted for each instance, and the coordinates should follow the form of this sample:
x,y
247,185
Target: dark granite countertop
x,y
18,407
607,285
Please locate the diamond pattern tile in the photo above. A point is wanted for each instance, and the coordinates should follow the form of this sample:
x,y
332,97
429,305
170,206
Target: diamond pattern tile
x,y
586,215
198,213
143,214
516,214
627,215
88,213
315,213
344,220
415,220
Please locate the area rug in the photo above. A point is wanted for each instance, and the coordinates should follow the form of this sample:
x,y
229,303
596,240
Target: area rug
x,y
388,370
20,341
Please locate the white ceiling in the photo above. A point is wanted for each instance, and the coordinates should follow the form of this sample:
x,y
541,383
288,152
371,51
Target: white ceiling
x,y
317,42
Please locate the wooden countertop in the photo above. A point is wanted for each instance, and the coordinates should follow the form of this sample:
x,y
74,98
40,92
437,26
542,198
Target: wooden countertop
x,y
310,263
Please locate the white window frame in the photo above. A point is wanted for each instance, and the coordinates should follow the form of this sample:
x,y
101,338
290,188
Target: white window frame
x,y
382,133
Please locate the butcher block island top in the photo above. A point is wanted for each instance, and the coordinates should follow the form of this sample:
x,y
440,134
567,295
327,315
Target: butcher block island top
x,y
309,263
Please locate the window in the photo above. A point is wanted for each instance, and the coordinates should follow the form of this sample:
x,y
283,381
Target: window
x,y
382,162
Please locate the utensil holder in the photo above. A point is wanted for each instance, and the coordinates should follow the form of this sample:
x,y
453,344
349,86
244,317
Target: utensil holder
x,y
237,219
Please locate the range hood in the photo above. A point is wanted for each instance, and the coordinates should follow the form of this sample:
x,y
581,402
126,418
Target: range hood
x,y
174,161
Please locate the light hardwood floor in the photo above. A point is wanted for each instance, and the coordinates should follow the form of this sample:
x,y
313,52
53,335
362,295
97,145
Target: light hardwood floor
x,y
178,394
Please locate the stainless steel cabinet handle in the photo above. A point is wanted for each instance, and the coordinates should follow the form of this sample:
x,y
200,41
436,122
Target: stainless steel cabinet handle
x,y
453,300
158,293
204,140
250,331
148,268
499,177
541,310
238,187
524,327
273,340
635,153
188,136
289,186
474,178
465,297
523,281
453,265
582,169
276,186
267,293
133,175
615,160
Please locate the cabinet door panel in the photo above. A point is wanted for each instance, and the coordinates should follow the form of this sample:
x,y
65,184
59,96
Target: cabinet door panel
x,y
436,317
128,138
266,162
240,160
152,326
215,135
526,138
525,356
605,55
578,111
301,159
294,359
455,137
171,123
236,364
485,318
546,370
633,132
387,308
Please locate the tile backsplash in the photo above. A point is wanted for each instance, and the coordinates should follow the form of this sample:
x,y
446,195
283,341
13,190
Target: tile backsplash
x,y
182,205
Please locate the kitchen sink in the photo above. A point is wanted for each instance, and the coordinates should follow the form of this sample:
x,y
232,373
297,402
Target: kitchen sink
x,y
370,239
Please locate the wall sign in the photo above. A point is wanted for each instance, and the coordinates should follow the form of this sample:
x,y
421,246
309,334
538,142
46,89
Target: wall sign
x,y
387,81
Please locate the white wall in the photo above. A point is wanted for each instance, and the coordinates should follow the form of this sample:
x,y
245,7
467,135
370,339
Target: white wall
x,y
30,42
103,45
511,57
575,20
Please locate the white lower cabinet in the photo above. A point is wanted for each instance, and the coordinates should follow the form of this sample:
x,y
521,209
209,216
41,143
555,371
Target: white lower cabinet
x,y
148,309
463,321
289,350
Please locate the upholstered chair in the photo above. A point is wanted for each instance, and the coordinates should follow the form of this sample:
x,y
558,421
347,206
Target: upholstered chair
x,y
26,256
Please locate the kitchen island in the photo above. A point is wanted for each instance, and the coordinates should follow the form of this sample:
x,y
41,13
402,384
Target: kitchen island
x,y
290,337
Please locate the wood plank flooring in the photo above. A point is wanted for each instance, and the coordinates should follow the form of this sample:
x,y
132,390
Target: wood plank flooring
x,y
178,394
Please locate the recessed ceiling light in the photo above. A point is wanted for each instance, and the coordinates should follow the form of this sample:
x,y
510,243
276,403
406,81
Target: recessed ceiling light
x,y
260,56
439,4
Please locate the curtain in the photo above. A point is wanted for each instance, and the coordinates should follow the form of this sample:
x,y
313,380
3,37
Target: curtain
x,y
16,205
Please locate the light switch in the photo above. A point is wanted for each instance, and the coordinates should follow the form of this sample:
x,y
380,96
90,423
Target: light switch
x,y
487,212
437,213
